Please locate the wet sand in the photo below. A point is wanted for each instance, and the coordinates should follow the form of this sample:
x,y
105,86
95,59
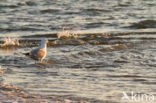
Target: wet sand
x,y
12,94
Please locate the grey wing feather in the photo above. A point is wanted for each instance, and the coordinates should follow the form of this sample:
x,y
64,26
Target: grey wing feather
x,y
34,52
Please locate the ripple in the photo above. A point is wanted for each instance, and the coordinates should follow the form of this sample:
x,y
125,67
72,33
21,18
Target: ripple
x,y
50,11
144,24
8,6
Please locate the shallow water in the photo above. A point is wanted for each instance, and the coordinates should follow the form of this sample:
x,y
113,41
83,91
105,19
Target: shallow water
x,y
87,71
96,67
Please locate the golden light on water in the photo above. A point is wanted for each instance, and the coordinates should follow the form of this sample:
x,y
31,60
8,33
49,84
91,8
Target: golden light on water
x,y
9,45
8,50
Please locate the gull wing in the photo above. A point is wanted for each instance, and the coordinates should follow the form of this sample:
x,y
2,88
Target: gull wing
x,y
34,52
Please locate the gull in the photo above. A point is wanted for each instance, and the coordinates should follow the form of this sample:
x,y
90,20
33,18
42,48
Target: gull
x,y
40,52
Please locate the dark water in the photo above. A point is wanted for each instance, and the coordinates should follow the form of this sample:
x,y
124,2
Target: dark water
x,y
115,50
41,16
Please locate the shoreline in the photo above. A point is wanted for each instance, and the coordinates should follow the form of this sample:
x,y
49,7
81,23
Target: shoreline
x,y
10,93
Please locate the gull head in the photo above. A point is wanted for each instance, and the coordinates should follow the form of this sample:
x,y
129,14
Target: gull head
x,y
44,41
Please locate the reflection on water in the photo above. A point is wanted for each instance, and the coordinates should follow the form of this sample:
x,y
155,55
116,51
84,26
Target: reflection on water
x,y
8,50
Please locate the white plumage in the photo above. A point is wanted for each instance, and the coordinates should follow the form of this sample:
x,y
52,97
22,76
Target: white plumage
x,y
40,52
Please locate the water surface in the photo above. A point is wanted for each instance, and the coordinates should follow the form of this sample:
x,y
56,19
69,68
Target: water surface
x,y
115,50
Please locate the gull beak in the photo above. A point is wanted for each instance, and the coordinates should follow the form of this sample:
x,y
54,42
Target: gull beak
x,y
47,41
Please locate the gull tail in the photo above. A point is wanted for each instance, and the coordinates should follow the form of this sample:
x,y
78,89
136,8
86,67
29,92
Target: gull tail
x,y
27,54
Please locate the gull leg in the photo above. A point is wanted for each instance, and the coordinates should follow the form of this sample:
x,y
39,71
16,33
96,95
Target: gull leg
x,y
41,60
35,62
